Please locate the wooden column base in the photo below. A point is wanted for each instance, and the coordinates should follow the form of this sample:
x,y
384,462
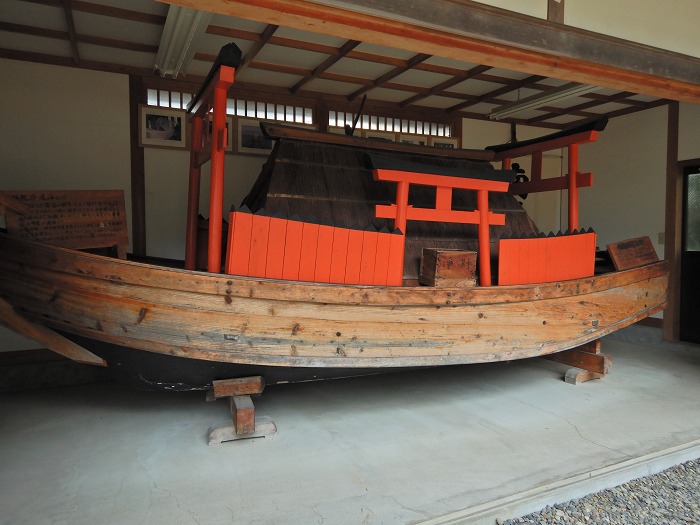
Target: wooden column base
x,y
589,363
244,425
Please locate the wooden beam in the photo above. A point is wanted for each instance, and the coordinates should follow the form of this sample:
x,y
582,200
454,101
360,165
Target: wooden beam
x,y
555,11
46,336
440,88
257,47
484,35
410,63
138,169
323,66
70,24
105,10
496,93
673,225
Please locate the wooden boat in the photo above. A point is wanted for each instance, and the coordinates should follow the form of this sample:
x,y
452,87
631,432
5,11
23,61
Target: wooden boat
x,y
174,328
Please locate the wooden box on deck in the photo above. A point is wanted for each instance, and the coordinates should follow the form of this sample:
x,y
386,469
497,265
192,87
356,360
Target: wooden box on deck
x,y
444,268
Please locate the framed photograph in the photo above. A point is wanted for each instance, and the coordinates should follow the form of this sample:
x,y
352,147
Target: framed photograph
x,y
250,139
382,135
444,142
162,127
416,140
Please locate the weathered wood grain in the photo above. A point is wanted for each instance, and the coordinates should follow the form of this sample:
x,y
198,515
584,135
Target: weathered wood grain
x,y
270,322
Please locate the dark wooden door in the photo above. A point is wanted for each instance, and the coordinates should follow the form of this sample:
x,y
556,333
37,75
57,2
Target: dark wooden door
x,y
690,257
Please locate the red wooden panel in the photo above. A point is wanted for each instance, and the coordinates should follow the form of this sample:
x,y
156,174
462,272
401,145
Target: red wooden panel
x,y
340,255
292,250
238,245
309,249
524,261
381,265
394,275
369,254
258,246
275,248
354,259
322,273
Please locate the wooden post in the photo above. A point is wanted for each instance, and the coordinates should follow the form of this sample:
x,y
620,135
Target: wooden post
x,y
402,188
193,195
482,199
216,194
573,188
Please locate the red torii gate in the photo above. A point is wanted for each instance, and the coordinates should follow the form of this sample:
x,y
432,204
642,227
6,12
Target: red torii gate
x,y
401,212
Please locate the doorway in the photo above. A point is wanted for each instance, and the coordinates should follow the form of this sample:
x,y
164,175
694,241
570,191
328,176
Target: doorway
x,y
690,256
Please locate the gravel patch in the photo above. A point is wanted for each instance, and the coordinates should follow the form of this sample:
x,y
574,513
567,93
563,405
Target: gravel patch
x,y
671,497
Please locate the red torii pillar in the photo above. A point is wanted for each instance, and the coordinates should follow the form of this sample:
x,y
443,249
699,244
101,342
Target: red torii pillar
x,y
401,212
203,147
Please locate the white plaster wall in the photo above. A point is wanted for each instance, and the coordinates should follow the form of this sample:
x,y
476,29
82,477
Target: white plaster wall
x,y
62,128
629,168
166,195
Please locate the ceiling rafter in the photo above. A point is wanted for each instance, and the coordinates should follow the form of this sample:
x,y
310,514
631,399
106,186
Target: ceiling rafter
x,y
497,92
599,101
83,39
257,47
442,87
410,63
105,10
326,64
70,24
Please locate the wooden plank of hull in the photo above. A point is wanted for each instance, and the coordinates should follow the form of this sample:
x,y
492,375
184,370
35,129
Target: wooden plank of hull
x,y
281,323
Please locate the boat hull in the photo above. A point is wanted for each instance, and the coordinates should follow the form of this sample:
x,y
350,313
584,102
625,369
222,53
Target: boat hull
x,y
106,304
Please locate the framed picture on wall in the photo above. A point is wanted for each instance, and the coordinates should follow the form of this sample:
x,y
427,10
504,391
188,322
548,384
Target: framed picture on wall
x,y
381,135
444,142
416,140
250,139
162,127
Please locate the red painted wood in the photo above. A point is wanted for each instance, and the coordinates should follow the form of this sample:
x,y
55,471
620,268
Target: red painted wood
x,y
276,248
238,247
308,253
538,260
394,275
292,250
354,257
324,255
339,255
381,265
258,246
369,255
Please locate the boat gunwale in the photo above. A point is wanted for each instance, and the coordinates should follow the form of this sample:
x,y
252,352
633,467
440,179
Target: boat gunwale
x,y
124,272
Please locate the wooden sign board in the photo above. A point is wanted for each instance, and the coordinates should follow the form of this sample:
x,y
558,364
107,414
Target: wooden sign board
x,y
76,219
632,253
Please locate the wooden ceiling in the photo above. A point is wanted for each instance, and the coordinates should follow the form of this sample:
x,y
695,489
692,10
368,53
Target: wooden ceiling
x,y
123,36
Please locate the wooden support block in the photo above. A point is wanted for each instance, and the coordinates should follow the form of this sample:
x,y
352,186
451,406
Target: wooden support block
x,y
598,363
243,413
240,386
447,268
575,376
264,427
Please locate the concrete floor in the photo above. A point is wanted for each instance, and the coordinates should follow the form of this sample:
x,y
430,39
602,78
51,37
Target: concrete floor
x,y
456,445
